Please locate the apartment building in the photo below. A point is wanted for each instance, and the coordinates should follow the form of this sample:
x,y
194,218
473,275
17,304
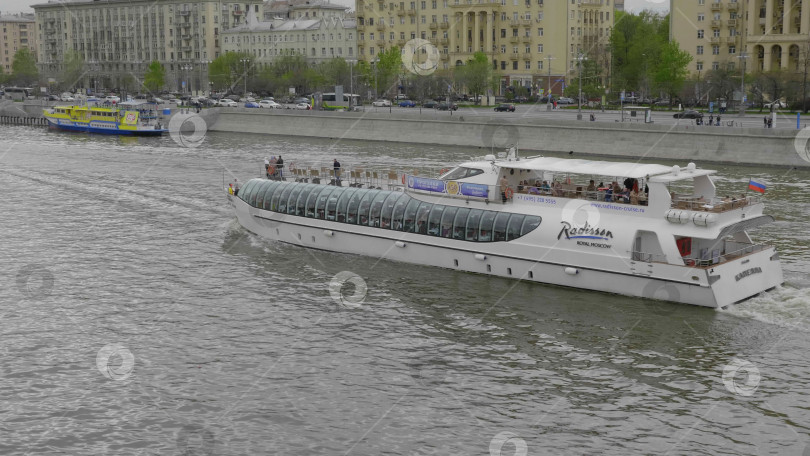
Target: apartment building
x,y
316,30
531,43
18,33
118,39
764,34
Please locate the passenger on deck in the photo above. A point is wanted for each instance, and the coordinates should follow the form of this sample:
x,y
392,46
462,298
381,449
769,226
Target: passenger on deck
x,y
504,186
520,187
546,188
558,188
591,186
634,197
230,189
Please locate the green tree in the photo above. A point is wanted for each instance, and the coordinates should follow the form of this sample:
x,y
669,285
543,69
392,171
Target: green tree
x,y
475,75
670,70
24,68
155,77
335,72
73,70
384,74
228,70
3,76
591,80
636,41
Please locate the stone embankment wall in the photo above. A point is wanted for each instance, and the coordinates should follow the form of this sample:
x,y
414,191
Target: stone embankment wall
x,y
749,146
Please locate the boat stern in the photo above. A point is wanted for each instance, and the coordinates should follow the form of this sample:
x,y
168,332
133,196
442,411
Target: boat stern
x,y
745,277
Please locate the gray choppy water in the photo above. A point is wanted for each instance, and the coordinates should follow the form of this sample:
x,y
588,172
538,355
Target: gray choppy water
x,y
139,318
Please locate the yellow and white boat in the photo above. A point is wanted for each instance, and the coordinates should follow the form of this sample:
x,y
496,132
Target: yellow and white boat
x,y
131,119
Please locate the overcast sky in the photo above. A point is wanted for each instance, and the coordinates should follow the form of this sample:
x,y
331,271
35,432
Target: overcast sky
x,y
13,6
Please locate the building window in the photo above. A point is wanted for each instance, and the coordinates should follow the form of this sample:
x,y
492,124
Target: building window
x,y
700,34
715,66
701,17
539,48
540,31
699,50
732,49
514,65
539,64
715,49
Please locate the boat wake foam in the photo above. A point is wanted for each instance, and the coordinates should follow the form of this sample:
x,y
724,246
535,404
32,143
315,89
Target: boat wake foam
x,y
786,306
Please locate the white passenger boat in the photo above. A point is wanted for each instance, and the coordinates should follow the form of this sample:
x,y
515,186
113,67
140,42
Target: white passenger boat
x,y
678,242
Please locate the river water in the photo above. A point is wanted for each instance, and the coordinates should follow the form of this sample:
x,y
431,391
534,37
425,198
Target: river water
x,y
139,318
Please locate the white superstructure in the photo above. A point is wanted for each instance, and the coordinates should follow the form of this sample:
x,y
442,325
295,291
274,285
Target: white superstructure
x,y
677,241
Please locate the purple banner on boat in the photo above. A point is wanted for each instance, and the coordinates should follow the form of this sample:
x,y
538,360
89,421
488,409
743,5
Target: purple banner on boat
x,y
476,190
429,185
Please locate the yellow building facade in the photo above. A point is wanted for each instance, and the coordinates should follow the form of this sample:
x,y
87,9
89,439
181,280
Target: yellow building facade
x,y
530,43
766,35
18,33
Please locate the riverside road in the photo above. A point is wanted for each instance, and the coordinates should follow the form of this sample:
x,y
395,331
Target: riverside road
x,y
752,119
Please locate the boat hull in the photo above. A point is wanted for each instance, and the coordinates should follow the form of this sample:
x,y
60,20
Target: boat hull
x,y
87,128
654,281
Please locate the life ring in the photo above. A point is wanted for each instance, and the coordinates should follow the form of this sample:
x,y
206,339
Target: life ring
x,y
509,193
403,179
443,171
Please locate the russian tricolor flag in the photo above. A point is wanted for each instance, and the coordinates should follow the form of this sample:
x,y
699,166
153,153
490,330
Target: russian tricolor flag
x,y
756,186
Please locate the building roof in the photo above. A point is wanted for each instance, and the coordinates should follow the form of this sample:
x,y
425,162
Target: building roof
x,y
16,18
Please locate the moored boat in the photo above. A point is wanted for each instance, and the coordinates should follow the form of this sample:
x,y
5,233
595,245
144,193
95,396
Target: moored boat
x,y
666,236
133,119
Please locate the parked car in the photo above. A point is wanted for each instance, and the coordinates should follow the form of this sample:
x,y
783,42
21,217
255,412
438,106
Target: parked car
x,y
157,100
269,104
301,100
303,106
381,104
688,114
504,107
778,104
66,98
521,99
565,100
407,104
112,99
227,103
447,107
429,104
53,98
252,104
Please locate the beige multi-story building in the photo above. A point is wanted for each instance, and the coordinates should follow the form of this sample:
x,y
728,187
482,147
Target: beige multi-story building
x,y
18,33
766,34
316,30
531,43
118,39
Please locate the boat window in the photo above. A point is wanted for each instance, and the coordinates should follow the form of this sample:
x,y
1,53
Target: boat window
x,y
376,208
399,212
280,190
351,216
343,202
461,173
422,217
244,192
301,203
320,203
269,193
293,199
312,198
388,209
513,229
410,216
499,230
448,215
331,204
485,234
257,194
530,224
285,195
472,224
434,220
460,223
362,210
260,193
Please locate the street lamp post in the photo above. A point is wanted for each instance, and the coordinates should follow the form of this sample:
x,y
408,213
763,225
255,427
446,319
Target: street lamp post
x,y
580,58
548,95
186,69
743,55
351,83
201,87
210,88
376,88
245,62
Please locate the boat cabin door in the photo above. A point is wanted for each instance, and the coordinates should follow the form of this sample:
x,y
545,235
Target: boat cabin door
x,y
646,252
